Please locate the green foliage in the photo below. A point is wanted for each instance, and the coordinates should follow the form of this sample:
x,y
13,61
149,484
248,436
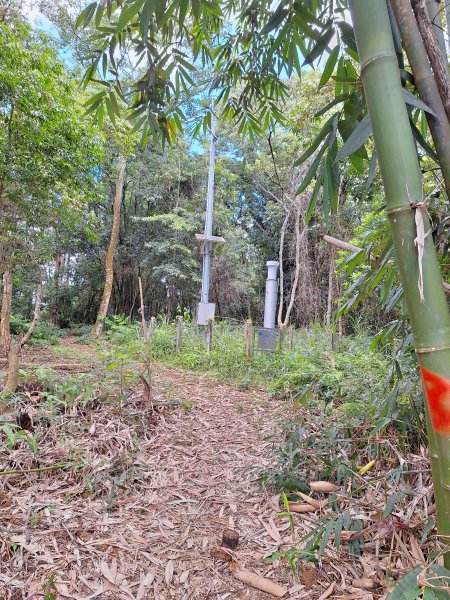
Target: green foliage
x,y
46,334
48,151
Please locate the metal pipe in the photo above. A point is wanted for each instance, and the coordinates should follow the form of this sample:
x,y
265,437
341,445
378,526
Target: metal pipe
x,y
206,274
270,306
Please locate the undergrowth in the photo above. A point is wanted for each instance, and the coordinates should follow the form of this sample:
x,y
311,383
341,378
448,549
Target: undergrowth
x,y
360,381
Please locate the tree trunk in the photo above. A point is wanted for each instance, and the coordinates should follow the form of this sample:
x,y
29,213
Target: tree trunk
x,y
440,67
54,301
109,263
425,83
297,268
12,379
281,261
418,266
5,317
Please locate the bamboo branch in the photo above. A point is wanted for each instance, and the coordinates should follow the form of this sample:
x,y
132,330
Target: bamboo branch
x,y
37,470
354,249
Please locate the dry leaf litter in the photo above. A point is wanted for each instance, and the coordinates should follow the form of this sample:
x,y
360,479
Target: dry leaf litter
x,y
151,491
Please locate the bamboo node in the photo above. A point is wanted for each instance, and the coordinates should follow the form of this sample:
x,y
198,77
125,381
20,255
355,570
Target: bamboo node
x,y
376,57
400,209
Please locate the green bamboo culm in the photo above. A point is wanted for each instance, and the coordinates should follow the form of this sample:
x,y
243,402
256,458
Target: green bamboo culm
x,y
402,178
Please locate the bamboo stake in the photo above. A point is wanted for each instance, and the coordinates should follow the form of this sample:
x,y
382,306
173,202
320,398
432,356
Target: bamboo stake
x,y
402,179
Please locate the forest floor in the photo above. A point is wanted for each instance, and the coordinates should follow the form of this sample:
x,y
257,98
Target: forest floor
x,y
137,497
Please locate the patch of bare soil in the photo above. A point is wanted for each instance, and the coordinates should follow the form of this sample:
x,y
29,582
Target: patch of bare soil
x,y
142,507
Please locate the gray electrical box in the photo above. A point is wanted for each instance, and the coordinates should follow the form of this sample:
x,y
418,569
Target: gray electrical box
x,y
267,339
206,310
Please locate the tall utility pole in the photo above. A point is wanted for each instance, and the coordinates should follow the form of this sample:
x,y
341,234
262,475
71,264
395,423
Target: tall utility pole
x,y
209,214
206,309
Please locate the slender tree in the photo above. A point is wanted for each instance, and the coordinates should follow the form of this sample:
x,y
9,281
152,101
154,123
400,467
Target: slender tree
x,y
109,261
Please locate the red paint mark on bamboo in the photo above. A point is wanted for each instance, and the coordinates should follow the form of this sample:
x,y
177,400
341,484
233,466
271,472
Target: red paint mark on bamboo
x,y
437,391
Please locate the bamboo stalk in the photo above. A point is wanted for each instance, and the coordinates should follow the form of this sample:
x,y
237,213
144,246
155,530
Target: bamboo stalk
x,y
402,179
425,83
434,12
440,68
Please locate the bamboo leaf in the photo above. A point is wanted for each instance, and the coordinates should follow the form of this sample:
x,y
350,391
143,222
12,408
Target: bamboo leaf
x,y
422,141
325,538
348,36
314,196
416,102
312,170
128,13
329,66
407,588
86,15
321,136
327,107
372,170
275,20
359,136
319,47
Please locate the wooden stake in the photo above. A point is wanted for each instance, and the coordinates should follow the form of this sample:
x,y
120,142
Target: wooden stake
x,y
248,340
151,328
282,332
142,311
209,335
179,332
291,337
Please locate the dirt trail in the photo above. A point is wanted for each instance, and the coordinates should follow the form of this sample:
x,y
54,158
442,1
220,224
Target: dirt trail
x,y
140,518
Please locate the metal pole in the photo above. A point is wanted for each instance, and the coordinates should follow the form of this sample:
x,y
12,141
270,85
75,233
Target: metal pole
x,y
271,300
209,214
